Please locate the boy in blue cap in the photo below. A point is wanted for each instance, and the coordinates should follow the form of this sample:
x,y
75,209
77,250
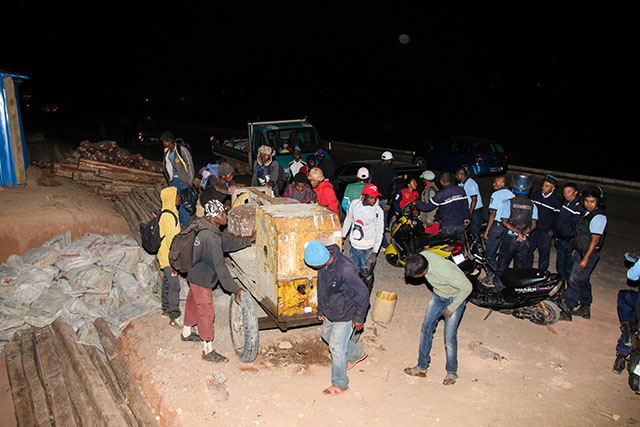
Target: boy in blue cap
x,y
343,300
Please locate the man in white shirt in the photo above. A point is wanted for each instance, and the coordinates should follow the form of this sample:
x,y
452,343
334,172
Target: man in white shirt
x,y
365,225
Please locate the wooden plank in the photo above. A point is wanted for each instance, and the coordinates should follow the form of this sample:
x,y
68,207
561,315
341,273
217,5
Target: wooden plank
x,y
81,402
53,378
99,165
15,133
103,401
103,369
138,405
41,409
19,386
124,176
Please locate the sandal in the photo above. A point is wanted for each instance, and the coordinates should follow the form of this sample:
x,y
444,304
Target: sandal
x,y
355,362
415,372
214,357
450,379
334,391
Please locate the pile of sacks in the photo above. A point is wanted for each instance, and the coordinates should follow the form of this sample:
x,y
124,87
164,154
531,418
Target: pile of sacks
x,y
94,276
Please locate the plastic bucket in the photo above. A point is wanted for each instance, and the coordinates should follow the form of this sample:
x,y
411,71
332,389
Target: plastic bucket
x,y
383,306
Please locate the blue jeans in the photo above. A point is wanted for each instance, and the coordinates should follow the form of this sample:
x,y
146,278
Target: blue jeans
x,y
431,318
476,222
564,262
492,245
626,314
579,286
360,258
542,241
183,215
512,250
342,348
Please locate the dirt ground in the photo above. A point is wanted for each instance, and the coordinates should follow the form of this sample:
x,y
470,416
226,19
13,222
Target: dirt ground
x,y
557,375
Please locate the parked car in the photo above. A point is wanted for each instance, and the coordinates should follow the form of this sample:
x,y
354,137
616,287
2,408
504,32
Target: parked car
x,y
477,155
147,132
346,173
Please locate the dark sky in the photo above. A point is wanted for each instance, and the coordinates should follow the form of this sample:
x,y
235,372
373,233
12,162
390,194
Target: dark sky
x,y
509,72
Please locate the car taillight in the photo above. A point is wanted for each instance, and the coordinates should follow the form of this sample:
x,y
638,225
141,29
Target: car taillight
x,y
479,159
506,157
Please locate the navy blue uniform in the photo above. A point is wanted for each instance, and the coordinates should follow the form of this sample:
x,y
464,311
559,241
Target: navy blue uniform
x,y
548,210
565,225
453,208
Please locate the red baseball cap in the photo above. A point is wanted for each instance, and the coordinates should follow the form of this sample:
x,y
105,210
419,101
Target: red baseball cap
x,y
371,190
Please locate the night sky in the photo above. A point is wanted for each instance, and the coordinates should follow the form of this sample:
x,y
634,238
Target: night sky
x,y
559,80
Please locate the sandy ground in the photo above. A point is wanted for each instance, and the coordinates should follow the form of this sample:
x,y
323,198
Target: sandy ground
x,y
558,375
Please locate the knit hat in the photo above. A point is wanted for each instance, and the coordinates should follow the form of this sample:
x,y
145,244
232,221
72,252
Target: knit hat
x,y
213,208
363,173
316,175
225,169
316,254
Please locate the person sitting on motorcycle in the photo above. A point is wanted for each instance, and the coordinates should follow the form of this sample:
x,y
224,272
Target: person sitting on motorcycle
x,y
629,316
587,241
429,219
408,194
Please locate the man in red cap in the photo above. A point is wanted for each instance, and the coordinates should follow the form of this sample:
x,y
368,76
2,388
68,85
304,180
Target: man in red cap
x,y
365,225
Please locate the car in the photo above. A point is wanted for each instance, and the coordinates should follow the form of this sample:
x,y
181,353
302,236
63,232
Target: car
x,y
346,174
479,156
147,132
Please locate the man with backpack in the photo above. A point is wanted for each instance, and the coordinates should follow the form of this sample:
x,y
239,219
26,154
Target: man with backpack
x,y
208,268
169,226
177,166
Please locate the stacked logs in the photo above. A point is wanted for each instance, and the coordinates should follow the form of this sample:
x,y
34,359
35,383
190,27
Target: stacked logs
x,y
55,381
109,152
139,206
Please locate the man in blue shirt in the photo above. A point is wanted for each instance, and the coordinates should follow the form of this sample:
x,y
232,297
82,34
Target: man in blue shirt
x,y
568,217
588,239
629,316
548,205
495,230
472,191
519,216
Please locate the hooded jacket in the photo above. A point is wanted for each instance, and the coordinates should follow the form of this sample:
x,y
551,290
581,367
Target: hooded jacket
x,y
182,163
271,170
342,295
326,196
168,224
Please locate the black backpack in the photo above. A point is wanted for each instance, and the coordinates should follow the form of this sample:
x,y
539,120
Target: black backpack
x,y
181,250
150,233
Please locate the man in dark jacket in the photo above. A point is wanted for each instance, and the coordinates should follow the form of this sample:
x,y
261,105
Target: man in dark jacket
x,y
452,204
343,300
568,217
208,268
548,209
267,172
177,166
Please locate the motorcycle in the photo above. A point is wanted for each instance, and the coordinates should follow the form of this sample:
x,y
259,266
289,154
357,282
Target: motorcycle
x,y
408,238
528,293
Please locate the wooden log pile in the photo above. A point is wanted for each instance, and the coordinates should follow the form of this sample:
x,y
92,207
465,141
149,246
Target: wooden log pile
x,y
55,381
109,152
140,205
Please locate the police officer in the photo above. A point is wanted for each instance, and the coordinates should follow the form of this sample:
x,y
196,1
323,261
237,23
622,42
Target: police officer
x,y
586,244
495,230
629,316
519,216
568,217
471,189
548,205
453,207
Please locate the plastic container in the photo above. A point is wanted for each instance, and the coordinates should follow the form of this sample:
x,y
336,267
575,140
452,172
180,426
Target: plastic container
x,y
384,306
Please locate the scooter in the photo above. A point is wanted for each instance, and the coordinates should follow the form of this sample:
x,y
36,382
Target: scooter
x,y
528,293
408,238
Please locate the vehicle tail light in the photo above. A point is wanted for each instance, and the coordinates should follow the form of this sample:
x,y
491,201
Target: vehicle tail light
x,y
506,157
479,159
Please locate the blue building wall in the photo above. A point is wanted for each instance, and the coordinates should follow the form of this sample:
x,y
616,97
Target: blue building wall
x,y
7,164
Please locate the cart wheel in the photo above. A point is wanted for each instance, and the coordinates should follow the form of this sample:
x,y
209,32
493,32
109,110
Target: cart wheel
x,y
243,325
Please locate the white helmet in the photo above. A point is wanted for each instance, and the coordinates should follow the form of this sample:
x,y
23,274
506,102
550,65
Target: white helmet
x,y
387,155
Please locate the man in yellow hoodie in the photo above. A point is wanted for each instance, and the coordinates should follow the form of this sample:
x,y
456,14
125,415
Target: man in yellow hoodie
x,y
169,227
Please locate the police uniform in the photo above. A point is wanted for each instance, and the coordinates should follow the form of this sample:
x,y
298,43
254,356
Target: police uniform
x,y
567,219
548,210
521,212
497,230
471,189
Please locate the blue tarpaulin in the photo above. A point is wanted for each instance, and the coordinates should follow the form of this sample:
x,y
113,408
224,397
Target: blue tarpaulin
x,y
8,174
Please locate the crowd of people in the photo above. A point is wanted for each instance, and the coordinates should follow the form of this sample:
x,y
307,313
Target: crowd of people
x,y
520,223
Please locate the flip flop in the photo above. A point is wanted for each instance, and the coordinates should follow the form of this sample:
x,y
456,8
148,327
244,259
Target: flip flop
x,y
450,379
355,362
415,372
334,391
